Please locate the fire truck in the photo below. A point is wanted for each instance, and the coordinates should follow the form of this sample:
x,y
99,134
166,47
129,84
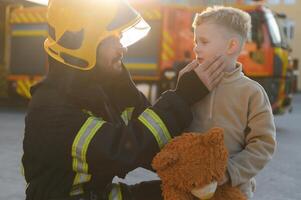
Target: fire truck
x,y
266,57
22,60
156,59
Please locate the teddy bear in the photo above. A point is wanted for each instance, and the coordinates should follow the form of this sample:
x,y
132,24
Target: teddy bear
x,y
191,165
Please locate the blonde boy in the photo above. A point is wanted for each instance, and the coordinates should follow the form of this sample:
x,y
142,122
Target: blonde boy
x,y
239,104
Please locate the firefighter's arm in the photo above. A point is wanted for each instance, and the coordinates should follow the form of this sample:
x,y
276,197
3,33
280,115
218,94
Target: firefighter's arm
x,y
193,83
121,148
260,140
126,93
117,148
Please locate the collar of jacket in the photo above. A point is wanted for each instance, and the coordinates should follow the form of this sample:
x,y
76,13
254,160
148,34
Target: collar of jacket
x,y
89,93
228,77
234,75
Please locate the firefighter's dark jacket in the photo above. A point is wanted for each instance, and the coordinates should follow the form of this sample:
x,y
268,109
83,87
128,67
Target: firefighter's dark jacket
x,y
80,133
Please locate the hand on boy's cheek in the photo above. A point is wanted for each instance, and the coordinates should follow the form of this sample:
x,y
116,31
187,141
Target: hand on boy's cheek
x,y
210,71
188,68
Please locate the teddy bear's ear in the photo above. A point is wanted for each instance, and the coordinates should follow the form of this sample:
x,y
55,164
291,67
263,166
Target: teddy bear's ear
x,y
164,160
215,136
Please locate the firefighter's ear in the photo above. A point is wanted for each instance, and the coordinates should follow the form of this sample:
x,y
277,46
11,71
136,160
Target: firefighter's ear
x,y
234,46
164,160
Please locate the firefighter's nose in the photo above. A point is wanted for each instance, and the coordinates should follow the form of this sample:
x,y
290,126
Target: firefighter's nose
x,y
124,49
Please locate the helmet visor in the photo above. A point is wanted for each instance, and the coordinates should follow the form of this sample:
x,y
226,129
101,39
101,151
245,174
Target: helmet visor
x,y
42,2
134,33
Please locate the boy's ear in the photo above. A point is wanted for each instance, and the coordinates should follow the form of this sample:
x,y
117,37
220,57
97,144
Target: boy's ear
x,y
233,46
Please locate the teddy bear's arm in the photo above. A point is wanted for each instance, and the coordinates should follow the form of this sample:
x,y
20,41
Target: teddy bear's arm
x,y
171,193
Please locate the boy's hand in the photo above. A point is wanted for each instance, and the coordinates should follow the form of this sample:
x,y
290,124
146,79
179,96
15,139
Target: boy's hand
x,y
211,71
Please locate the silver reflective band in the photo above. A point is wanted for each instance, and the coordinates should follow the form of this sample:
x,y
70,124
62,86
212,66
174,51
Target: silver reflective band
x,y
157,127
79,152
115,193
127,115
80,156
76,190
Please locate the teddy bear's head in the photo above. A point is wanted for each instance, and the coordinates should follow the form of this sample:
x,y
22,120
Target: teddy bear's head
x,y
192,160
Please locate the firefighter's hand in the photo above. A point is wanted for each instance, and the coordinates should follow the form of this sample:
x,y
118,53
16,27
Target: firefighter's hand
x,y
188,68
225,179
211,71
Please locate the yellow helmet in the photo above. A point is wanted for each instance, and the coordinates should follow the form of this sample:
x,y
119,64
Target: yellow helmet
x,y
76,28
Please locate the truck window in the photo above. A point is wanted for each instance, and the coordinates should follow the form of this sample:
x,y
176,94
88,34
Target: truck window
x,y
273,28
284,32
257,35
27,53
2,32
142,58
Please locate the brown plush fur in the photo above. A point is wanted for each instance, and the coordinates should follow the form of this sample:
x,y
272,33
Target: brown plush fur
x,y
192,161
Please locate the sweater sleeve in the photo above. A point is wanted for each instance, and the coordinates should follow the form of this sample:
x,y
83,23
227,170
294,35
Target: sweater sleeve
x,y
260,140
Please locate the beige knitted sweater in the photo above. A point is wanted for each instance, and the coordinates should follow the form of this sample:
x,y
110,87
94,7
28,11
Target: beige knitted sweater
x,y
241,107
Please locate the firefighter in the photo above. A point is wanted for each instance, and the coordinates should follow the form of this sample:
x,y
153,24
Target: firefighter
x,y
87,122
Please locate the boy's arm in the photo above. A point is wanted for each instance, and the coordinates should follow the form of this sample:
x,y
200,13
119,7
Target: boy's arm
x,y
260,140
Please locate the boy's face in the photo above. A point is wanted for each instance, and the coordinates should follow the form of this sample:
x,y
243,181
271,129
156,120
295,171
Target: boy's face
x,y
210,40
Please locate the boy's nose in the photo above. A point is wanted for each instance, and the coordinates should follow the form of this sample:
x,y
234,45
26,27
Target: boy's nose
x,y
196,49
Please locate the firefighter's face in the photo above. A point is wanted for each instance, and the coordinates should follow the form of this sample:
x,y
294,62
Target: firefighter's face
x,y
209,41
109,55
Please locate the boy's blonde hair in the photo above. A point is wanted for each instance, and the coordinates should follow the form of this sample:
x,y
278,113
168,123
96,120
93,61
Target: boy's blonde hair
x,y
230,18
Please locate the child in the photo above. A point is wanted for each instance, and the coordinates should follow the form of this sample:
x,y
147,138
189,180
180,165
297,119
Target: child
x,y
238,104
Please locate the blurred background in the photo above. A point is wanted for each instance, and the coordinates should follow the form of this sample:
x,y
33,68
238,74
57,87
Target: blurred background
x,y
271,57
